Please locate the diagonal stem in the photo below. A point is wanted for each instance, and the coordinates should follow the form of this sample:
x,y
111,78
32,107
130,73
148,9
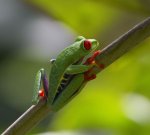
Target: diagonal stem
x,y
123,44
28,119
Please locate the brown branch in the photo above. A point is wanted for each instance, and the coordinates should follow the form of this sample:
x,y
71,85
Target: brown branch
x,y
29,119
123,44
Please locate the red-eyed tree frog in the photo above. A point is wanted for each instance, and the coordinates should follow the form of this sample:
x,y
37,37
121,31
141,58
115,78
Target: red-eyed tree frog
x,y
67,74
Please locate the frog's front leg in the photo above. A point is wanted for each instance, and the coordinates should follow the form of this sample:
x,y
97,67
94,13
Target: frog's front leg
x,y
86,68
76,69
40,87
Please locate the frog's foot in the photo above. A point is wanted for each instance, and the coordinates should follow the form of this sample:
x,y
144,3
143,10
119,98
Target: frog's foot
x,y
91,60
88,76
42,94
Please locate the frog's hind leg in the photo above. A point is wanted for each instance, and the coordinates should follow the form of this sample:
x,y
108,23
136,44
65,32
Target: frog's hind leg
x,y
40,87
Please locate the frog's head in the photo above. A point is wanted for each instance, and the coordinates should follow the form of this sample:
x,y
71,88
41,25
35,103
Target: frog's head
x,y
87,45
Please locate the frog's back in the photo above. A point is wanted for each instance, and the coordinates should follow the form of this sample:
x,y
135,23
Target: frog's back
x,y
67,57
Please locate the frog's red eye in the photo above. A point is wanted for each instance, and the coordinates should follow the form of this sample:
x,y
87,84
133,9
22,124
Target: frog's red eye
x,y
87,44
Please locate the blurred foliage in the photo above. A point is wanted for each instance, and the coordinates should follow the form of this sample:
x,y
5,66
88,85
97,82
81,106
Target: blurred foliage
x,y
104,104
86,17
89,17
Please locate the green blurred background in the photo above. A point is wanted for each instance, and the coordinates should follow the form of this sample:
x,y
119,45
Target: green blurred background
x,y
32,32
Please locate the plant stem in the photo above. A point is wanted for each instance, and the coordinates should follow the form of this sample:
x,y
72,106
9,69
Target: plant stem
x,y
28,120
123,44
108,55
